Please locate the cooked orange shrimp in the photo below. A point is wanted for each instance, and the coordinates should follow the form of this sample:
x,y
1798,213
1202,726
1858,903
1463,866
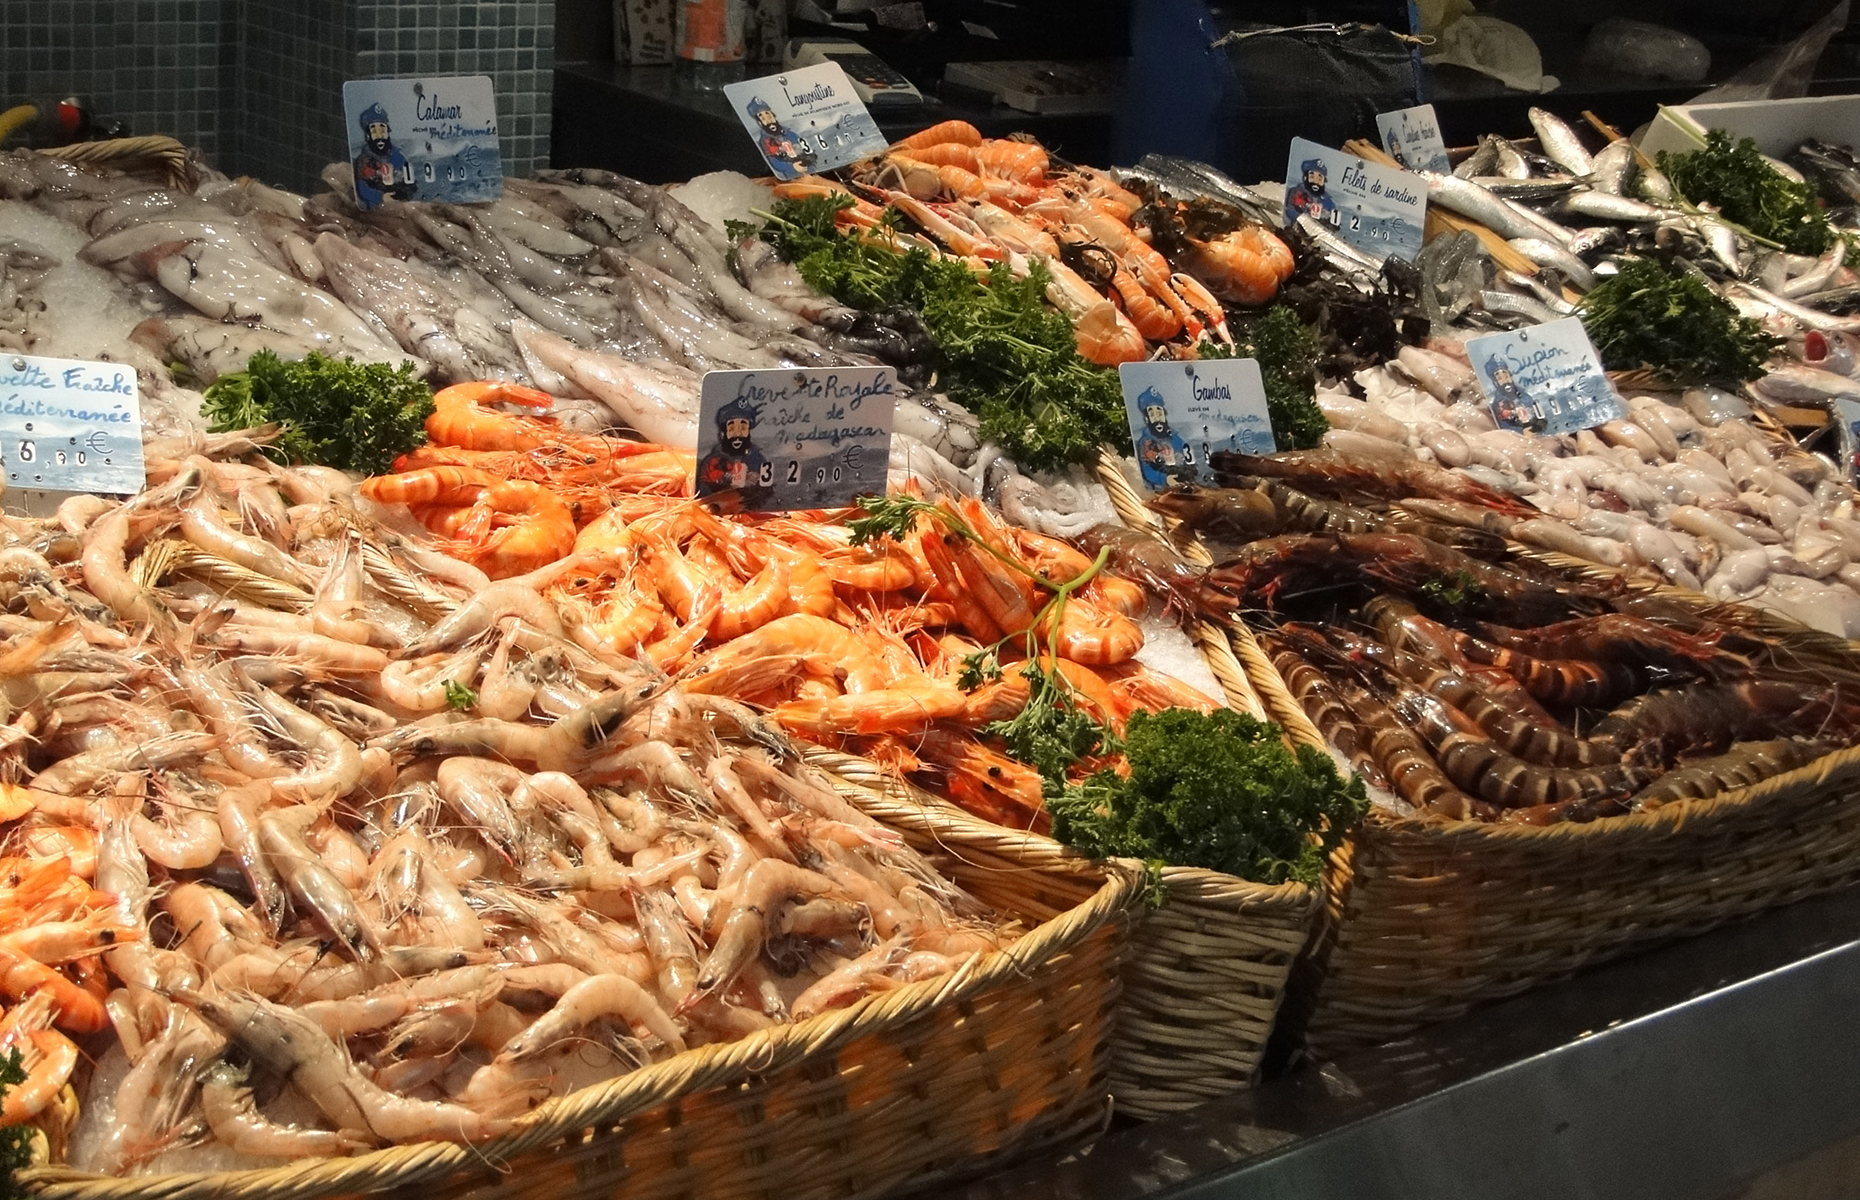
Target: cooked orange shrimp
x,y
76,844
1005,158
1136,686
524,526
1095,637
429,485
670,652
985,782
906,707
801,635
753,604
1248,264
956,588
1152,317
810,588
948,154
53,942
1199,298
886,567
463,416
959,132
21,976
1104,335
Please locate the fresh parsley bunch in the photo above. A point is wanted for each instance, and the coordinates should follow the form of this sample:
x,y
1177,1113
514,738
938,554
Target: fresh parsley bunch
x,y
1746,189
1671,322
337,412
1217,790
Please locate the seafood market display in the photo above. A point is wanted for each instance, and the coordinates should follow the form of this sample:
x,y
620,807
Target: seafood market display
x,y
417,748
309,802
847,629
1466,682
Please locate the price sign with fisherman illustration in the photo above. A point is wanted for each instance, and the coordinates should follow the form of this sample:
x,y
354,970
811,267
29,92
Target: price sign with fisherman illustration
x,y
423,139
1412,138
1376,209
70,426
783,440
1544,379
806,121
1180,413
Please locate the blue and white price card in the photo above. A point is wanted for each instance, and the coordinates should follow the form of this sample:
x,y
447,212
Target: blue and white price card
x,y
1377,209
423,139
806,121
1412,138
1544,378
70,426
1181,412
790,439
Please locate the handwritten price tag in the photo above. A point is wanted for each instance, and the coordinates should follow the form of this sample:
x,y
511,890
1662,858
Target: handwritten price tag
x,y
1377,209
423,139
786,440
806,121
1545,378
1182,412
70,426
1412,138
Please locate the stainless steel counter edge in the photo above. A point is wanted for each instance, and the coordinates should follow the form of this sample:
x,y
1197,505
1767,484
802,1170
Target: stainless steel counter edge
x,y
1725,1066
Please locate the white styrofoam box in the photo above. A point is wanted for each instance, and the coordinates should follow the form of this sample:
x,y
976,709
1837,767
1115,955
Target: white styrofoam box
x,y
1778,126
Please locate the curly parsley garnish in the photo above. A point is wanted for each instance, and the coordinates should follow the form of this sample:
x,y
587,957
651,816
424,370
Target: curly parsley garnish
x,y
337,412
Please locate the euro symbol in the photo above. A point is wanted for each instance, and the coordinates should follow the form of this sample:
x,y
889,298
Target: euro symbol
x,y
98,443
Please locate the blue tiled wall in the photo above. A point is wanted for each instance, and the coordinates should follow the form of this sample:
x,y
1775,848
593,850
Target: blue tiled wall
x,y
257,84
162,65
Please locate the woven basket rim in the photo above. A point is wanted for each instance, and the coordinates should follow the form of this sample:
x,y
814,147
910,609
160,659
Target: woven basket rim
x,y
604,1104
1803,783
1656,823
899,802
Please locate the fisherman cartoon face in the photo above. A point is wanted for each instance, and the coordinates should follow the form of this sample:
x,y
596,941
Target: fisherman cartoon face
x,y
1500,373
1315,176
734,424
1154,414
765,116
374,122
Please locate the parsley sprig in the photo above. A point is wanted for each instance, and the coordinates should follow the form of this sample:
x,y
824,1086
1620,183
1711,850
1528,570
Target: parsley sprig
x,y
1056,728
1001,351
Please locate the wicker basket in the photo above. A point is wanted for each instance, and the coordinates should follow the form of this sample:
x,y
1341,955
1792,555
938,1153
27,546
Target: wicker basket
x,y
153,153
1205,973
1204,979
931,1081
1427,918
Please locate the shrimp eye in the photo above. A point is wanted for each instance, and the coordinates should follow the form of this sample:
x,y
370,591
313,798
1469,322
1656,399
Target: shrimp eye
x,y
994,772
108,936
